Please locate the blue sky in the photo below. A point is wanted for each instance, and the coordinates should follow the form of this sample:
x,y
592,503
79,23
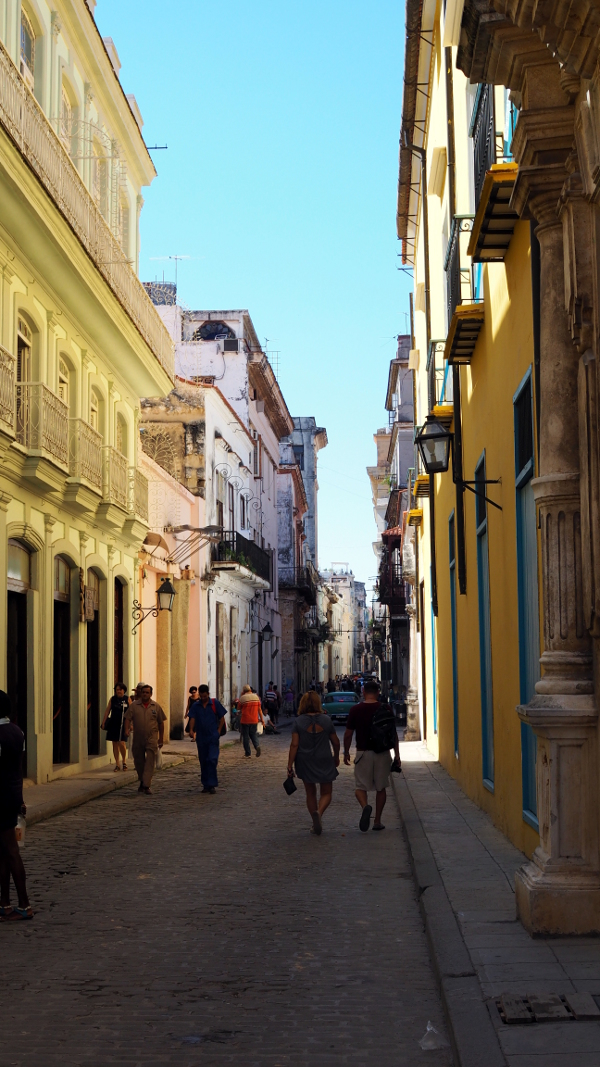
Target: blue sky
x,y
279,182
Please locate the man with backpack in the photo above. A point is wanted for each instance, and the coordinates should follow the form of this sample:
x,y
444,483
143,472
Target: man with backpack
x,y
207,723
375,728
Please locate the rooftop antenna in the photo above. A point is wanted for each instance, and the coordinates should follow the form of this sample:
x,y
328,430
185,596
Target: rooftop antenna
x,y
176,258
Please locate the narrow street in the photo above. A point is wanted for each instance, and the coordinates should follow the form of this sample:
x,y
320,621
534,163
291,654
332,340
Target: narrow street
x,y
187,929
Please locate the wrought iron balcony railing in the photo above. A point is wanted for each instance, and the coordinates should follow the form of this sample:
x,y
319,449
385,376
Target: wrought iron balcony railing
x,y
7,390
458,277
27,125
138,493
484,137
304,579
85,453
114,477
42,422
235,548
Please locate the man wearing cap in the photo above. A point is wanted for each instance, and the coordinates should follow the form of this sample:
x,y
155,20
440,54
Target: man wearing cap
x,y
147,719
207,723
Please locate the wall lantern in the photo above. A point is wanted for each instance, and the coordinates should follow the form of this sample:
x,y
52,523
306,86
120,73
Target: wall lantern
x,y
165,596
433,441
266,632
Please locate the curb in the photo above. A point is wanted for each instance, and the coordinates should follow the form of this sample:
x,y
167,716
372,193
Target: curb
x,y
472,1033
59,806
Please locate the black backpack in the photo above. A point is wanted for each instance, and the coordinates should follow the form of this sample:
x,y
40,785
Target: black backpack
x,y
383,736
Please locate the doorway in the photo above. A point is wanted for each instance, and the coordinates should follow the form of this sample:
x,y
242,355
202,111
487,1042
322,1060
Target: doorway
x,y
423,656
118,632
92,612
61,714
18,581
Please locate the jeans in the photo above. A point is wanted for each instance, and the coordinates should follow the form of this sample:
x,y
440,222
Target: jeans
x,y
249,730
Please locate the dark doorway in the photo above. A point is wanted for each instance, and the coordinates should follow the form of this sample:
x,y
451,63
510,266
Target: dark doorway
x,y
92,604
16,650
118,632
61,739
61,713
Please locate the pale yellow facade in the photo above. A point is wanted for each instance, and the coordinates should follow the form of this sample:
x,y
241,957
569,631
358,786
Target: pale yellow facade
x,y
80,343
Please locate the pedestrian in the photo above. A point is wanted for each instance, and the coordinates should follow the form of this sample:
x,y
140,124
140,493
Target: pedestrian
x,y
12,746
207,723
270,700
147,719
289,701
275,717
250,713
374,724
314,756
114,724
192,698
331,686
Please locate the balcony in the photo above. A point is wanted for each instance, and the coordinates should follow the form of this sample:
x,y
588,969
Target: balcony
x,y
115,487
7,392
439,380
465,310
42,429
27,125
304,579
84,484
483,132
138,494
495,220
242,558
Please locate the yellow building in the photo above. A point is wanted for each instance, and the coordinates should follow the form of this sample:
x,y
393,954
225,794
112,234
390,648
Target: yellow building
x,y
475,355
80,343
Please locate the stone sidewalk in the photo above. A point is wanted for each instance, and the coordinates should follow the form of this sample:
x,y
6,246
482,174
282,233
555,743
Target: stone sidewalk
x,y
465,871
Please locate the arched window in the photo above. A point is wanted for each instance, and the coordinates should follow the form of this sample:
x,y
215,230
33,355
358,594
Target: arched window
x,y
66,119
27,65
62,576
121,435
95,411
24,347
63,382
213,331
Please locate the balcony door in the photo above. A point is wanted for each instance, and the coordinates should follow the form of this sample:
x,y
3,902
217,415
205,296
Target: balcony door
x,y
92,616
61,716
17,655
118,631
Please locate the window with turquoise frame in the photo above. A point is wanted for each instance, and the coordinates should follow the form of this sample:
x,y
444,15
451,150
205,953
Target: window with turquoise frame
x,y
485,639
452,547
527,585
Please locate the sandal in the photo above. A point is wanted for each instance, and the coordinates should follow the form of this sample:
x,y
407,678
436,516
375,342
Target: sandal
x,y
117,768
124,766
17,914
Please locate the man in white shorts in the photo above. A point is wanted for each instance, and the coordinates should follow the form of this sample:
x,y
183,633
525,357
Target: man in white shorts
x,y
371,769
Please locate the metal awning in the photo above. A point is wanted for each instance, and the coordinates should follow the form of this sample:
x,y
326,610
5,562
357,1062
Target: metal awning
x,y
495,221
415,517
421,486
444,413
466,323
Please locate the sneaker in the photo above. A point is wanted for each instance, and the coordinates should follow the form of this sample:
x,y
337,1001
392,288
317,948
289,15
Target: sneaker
x,y
213,790
258,751
365,818
248,755
14,914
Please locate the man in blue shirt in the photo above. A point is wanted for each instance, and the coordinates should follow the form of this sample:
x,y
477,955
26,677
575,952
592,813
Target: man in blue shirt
x,y
207,723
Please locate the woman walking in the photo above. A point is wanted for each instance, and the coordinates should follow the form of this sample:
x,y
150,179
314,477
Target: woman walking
x,y
315,755
113,723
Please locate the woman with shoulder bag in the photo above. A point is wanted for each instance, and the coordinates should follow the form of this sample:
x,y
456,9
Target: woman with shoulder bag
x,y
314,755
114,724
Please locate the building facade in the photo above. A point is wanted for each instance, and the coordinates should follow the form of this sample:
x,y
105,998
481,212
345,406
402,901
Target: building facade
x,y
499,155
80,343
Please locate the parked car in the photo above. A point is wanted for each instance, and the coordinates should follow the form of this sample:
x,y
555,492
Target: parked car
x,y
337,705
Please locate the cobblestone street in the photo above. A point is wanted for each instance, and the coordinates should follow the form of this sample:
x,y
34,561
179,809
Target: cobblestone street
x,y
187,929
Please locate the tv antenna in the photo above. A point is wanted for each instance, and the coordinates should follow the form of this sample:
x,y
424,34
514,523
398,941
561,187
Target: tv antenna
x,y
176,258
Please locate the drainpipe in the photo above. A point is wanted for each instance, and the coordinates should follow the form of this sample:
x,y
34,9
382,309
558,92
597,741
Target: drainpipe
x,y
461,559
422,153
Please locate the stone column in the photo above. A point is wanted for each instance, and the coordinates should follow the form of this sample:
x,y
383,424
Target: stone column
x,y
559,891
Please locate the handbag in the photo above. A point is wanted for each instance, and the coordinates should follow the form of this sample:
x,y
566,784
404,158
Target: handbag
x,y
158,762
289,785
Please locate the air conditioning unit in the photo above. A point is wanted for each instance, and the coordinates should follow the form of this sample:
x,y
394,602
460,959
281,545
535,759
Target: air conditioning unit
x,y
231,344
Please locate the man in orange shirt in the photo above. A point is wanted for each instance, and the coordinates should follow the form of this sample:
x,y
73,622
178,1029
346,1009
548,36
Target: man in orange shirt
x,y
251,711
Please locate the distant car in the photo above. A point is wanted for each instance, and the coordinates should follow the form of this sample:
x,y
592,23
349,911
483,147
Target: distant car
x,y
337,705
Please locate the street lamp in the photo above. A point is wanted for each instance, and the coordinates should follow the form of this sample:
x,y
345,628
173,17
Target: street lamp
x,y
433,441
266,632
165,595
